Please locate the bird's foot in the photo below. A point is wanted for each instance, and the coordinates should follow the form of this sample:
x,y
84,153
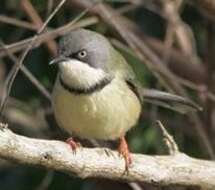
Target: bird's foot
x,y
125,153
74,145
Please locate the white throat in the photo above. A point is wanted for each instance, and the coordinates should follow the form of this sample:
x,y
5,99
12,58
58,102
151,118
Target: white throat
x,y
80,75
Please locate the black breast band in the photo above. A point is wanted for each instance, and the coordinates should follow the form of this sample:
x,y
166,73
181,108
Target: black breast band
x,y
89,90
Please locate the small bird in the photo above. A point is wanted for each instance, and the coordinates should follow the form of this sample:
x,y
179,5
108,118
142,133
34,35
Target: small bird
x,y
96,94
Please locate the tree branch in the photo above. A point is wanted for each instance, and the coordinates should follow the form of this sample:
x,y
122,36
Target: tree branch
x,y
177,169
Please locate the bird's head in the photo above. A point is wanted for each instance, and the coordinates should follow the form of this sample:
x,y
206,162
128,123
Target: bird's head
x,y
83,57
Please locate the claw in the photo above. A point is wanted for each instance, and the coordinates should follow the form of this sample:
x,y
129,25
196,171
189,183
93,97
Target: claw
x,y
74,145
124,151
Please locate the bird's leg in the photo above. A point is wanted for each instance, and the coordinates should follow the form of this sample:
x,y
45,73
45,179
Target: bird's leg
x,y
124,151
74,145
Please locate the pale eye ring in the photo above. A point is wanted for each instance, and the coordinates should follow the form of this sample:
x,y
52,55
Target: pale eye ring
x,y
82,54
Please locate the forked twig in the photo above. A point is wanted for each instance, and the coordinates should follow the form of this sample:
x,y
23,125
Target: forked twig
x,y
168,139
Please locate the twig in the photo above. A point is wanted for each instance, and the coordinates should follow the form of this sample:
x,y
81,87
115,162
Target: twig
x,y
34,16
182,32
180,29
27,73
169,140
196,87
50,5
29,47
178,169
127,8
16,22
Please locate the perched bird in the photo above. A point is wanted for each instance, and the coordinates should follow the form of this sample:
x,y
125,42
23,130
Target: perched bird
x,y
96,94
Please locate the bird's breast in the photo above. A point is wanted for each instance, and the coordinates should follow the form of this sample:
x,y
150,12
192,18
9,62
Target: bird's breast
x,y
105,114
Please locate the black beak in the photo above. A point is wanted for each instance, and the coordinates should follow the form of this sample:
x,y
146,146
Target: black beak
x,y
58,60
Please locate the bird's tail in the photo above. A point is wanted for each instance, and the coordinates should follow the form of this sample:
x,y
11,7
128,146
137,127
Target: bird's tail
x,y
170,101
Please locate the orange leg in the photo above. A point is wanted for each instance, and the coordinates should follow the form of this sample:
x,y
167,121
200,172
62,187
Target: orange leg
x,y
74,145
124,151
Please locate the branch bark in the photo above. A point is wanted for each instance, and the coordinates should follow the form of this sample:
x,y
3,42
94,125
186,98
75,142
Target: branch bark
x,y
177,169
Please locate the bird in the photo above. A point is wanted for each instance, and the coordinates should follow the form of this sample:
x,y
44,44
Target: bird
x,y
96,94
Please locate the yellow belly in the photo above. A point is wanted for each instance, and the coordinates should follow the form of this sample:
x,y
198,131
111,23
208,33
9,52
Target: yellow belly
x,y
106,114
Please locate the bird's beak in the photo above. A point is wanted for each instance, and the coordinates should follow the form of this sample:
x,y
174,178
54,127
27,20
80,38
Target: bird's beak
x,y
58,60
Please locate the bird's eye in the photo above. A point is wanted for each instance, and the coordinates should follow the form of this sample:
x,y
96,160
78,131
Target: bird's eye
x,y
82,54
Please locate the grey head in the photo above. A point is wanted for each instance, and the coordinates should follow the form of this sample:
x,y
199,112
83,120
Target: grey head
x,y
86,46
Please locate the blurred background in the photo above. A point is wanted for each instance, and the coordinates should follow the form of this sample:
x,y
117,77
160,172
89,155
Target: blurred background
x,y
169,44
